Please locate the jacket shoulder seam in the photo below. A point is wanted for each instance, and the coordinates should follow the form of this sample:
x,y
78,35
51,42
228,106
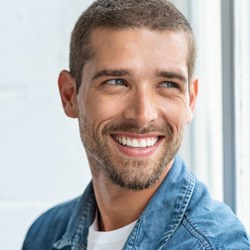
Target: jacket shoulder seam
x,y
197,234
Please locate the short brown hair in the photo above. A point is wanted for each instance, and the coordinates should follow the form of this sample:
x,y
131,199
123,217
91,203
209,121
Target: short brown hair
x,y
122,14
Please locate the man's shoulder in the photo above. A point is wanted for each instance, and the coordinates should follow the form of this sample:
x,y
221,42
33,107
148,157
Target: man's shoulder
x,y
50,226
213,224
211,233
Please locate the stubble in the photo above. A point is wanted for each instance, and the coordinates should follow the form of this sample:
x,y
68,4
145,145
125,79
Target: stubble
x,y
129,174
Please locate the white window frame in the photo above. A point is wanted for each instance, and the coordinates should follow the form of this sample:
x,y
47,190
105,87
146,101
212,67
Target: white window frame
x,y
236,103
242,110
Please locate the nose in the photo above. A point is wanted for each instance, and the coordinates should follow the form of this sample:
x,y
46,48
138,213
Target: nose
x,y
141,108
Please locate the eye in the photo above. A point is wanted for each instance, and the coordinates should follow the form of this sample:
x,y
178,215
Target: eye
x,y
116,82
169,84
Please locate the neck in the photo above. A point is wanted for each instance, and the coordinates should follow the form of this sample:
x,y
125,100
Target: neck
x,y
117,206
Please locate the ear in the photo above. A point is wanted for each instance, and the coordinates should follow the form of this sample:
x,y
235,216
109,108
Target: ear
x,y
67,88
193,92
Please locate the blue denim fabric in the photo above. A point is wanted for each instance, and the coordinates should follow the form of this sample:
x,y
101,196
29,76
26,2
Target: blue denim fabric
x,y
181,215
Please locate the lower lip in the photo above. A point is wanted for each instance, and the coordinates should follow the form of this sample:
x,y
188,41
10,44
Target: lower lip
x,y
137,152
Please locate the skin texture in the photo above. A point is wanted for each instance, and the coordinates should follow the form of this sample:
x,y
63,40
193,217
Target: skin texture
x,y
135,86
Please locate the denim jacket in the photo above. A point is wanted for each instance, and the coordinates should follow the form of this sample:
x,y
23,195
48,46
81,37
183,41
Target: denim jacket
x,y
180,216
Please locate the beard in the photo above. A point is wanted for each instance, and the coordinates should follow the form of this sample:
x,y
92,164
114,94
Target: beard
x,y
132,174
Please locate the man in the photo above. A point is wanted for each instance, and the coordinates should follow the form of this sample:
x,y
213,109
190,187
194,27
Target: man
x,y
132,89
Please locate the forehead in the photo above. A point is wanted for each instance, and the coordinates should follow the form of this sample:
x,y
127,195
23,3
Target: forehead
x,y
138,47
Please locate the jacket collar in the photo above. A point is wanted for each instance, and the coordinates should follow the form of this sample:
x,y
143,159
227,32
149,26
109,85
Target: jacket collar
x,y
157,223
79,223
165,211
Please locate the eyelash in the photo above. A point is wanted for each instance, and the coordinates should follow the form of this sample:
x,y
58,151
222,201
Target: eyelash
x,y
122,82
173,84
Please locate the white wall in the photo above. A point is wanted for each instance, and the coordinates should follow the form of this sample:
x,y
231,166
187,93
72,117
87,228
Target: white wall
x,y
42,159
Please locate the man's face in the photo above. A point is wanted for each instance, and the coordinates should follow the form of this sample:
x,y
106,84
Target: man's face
x,y
133,103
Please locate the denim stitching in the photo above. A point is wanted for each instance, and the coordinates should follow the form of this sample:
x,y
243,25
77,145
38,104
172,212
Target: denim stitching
x,y
134,235
197,234
76,244
187,191
74,240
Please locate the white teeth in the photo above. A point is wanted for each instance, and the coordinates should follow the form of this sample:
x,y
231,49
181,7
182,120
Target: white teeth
x,y
143,144
124,140
149,142
129,142
135,143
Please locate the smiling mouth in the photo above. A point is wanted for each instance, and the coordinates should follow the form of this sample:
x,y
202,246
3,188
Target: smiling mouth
x,y
136,142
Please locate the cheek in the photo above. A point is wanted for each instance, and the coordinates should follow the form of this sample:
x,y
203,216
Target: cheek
x,y
175,113
100,111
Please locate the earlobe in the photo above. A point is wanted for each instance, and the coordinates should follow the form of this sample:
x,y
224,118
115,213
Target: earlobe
x,y
67,88
193,92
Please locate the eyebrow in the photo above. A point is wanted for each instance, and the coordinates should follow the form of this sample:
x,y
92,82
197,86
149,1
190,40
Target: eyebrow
x,y
124,72
171,74
110,72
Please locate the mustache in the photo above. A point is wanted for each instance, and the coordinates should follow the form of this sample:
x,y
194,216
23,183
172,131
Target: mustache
x,y
131,127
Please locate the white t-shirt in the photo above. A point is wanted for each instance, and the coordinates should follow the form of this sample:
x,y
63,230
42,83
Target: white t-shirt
x,y
115,240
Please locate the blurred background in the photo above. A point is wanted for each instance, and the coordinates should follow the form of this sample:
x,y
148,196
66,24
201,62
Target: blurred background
x,y
42,161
